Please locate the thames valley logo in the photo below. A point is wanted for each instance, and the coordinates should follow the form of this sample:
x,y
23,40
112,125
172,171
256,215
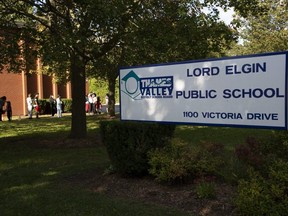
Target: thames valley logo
x,y
145,88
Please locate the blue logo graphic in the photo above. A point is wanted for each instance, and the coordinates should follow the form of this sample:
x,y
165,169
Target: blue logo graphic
x,y
149,87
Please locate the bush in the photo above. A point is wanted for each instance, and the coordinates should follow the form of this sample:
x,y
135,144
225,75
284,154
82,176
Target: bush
x,y
206,190
128,143
261,153
209,158
172,164
265,191
252,198
233,169
277,146
176,163
45,106
251,152
67,105
265,195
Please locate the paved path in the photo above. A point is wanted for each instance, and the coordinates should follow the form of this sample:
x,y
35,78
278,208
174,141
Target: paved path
x,y
117,108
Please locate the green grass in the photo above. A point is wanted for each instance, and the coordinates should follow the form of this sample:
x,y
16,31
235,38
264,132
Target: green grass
x,y
229,137
33,176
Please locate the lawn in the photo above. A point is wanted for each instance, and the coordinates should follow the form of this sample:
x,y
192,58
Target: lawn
x,y
37,163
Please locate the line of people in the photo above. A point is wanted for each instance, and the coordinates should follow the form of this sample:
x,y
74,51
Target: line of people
x,y
56,105
33,104
93,104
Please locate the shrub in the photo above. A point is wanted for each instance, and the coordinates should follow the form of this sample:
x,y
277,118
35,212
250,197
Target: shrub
x,y
250,152
253,198
265,191
67,105
45,106
171,164
209,158
261,153
277,146
205,190
128,143
176,163
265,196
233,169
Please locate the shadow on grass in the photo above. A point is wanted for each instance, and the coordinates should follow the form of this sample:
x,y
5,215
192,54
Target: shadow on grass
x,y
36,159
30,131
229,137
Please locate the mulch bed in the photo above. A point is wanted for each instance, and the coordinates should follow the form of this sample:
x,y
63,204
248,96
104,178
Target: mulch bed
x,y
182,196
148,191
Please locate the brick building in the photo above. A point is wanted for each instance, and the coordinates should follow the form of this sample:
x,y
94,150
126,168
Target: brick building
x,y
16,87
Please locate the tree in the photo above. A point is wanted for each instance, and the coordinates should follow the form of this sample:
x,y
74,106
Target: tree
x,y
72,35
167,31
68,34
264,32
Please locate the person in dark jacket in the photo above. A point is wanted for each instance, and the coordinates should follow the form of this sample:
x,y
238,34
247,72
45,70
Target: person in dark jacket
x,y
2,104
52,105
9,110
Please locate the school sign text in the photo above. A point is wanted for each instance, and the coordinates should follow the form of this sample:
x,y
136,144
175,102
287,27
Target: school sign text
x,y
246,91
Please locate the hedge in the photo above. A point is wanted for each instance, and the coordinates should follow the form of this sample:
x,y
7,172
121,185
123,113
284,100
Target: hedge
x,y
128,143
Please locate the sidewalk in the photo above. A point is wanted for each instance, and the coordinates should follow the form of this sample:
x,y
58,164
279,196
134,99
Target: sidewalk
x,y
14,118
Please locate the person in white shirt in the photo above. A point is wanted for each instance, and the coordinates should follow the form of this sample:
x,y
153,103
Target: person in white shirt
x,y
90,100
29,106
59,106
107,102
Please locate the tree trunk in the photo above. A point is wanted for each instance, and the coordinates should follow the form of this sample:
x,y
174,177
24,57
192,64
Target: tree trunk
x,y
78,85
111,89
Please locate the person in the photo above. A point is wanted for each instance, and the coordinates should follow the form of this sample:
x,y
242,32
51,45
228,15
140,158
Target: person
x,y
52,105
36,105
59,106
2,104
9,110
94,99
29,106
107,102
90,100
86,104
98,105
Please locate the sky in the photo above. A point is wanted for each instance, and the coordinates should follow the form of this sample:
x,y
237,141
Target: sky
x,y
226,16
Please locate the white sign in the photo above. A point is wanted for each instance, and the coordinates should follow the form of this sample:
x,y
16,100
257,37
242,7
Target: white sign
x,y
249,91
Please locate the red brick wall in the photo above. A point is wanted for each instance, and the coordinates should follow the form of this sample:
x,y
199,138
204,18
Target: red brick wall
x,y
47,86
62,91
11,87
32,87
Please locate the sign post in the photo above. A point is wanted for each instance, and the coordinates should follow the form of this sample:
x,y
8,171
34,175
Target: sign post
x,y
244,91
